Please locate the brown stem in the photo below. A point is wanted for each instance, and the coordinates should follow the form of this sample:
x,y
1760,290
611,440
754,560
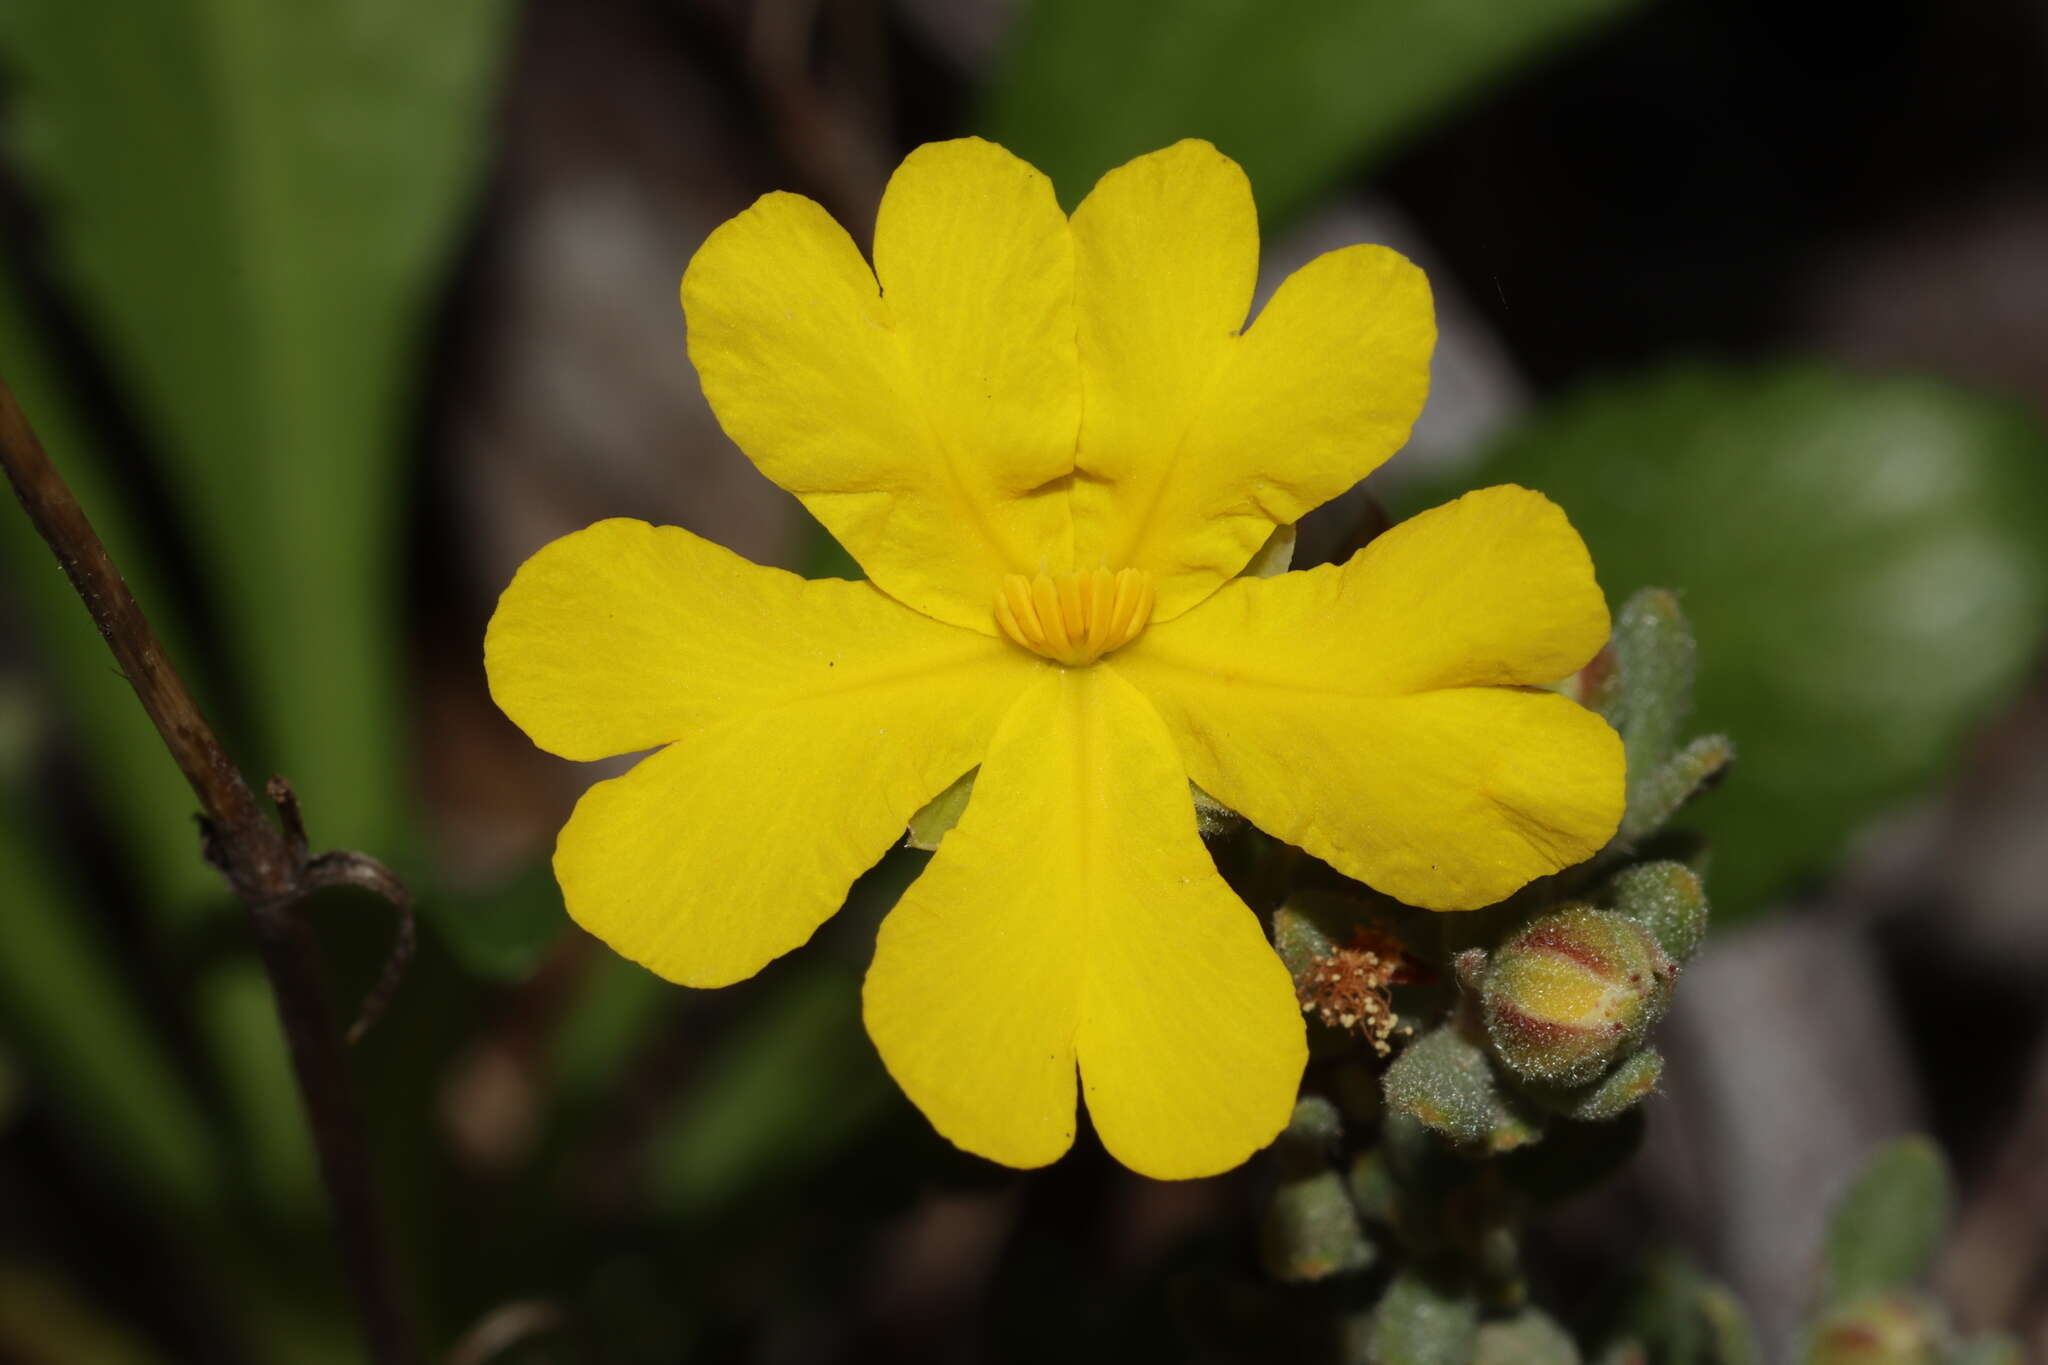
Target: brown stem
x,y
266,864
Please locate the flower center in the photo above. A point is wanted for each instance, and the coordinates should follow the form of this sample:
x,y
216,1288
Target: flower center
x,y
1075,618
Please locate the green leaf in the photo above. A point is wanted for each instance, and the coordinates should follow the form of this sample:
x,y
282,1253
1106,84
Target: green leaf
x,y
1644,685
1668,788
1422,1322
238,1017
1862,562
617,1003
1633,1080
254,203
1886,1229
1300,93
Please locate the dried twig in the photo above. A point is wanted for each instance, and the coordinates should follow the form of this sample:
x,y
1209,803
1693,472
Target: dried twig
x,y
265,861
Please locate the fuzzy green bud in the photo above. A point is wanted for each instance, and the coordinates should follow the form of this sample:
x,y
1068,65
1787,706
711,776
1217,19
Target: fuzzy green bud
x,y
1571,991
1448,1084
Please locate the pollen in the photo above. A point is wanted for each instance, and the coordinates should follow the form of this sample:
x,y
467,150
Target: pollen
x,y
1075,618
1347,988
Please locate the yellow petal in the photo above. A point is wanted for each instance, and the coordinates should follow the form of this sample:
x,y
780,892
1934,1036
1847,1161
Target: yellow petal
x,y
1493,589
1074,917
1309,703
914,418
805,722
1203,437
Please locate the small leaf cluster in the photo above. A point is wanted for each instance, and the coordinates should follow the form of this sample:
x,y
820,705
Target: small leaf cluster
x,y
1881,1242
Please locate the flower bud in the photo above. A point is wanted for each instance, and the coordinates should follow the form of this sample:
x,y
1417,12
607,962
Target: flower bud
x,y
1571,991
1885,1329
1447,1083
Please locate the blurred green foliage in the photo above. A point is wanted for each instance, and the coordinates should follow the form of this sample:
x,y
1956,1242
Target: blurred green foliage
x,y
1299,94
1673,1314
62,997
1863,562
255,204
744,1125
1882,1240
1889,1224
41,1319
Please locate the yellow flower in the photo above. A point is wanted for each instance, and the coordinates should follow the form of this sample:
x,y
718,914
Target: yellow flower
x,y
1053,444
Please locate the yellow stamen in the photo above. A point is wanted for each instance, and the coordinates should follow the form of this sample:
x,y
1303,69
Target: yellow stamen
x,y
1075,618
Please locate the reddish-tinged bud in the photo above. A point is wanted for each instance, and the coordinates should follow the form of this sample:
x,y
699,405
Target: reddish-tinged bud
x,y
1886,1329
1571,991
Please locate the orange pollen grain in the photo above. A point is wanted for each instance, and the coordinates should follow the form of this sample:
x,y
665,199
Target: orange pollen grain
x,y
1075,618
